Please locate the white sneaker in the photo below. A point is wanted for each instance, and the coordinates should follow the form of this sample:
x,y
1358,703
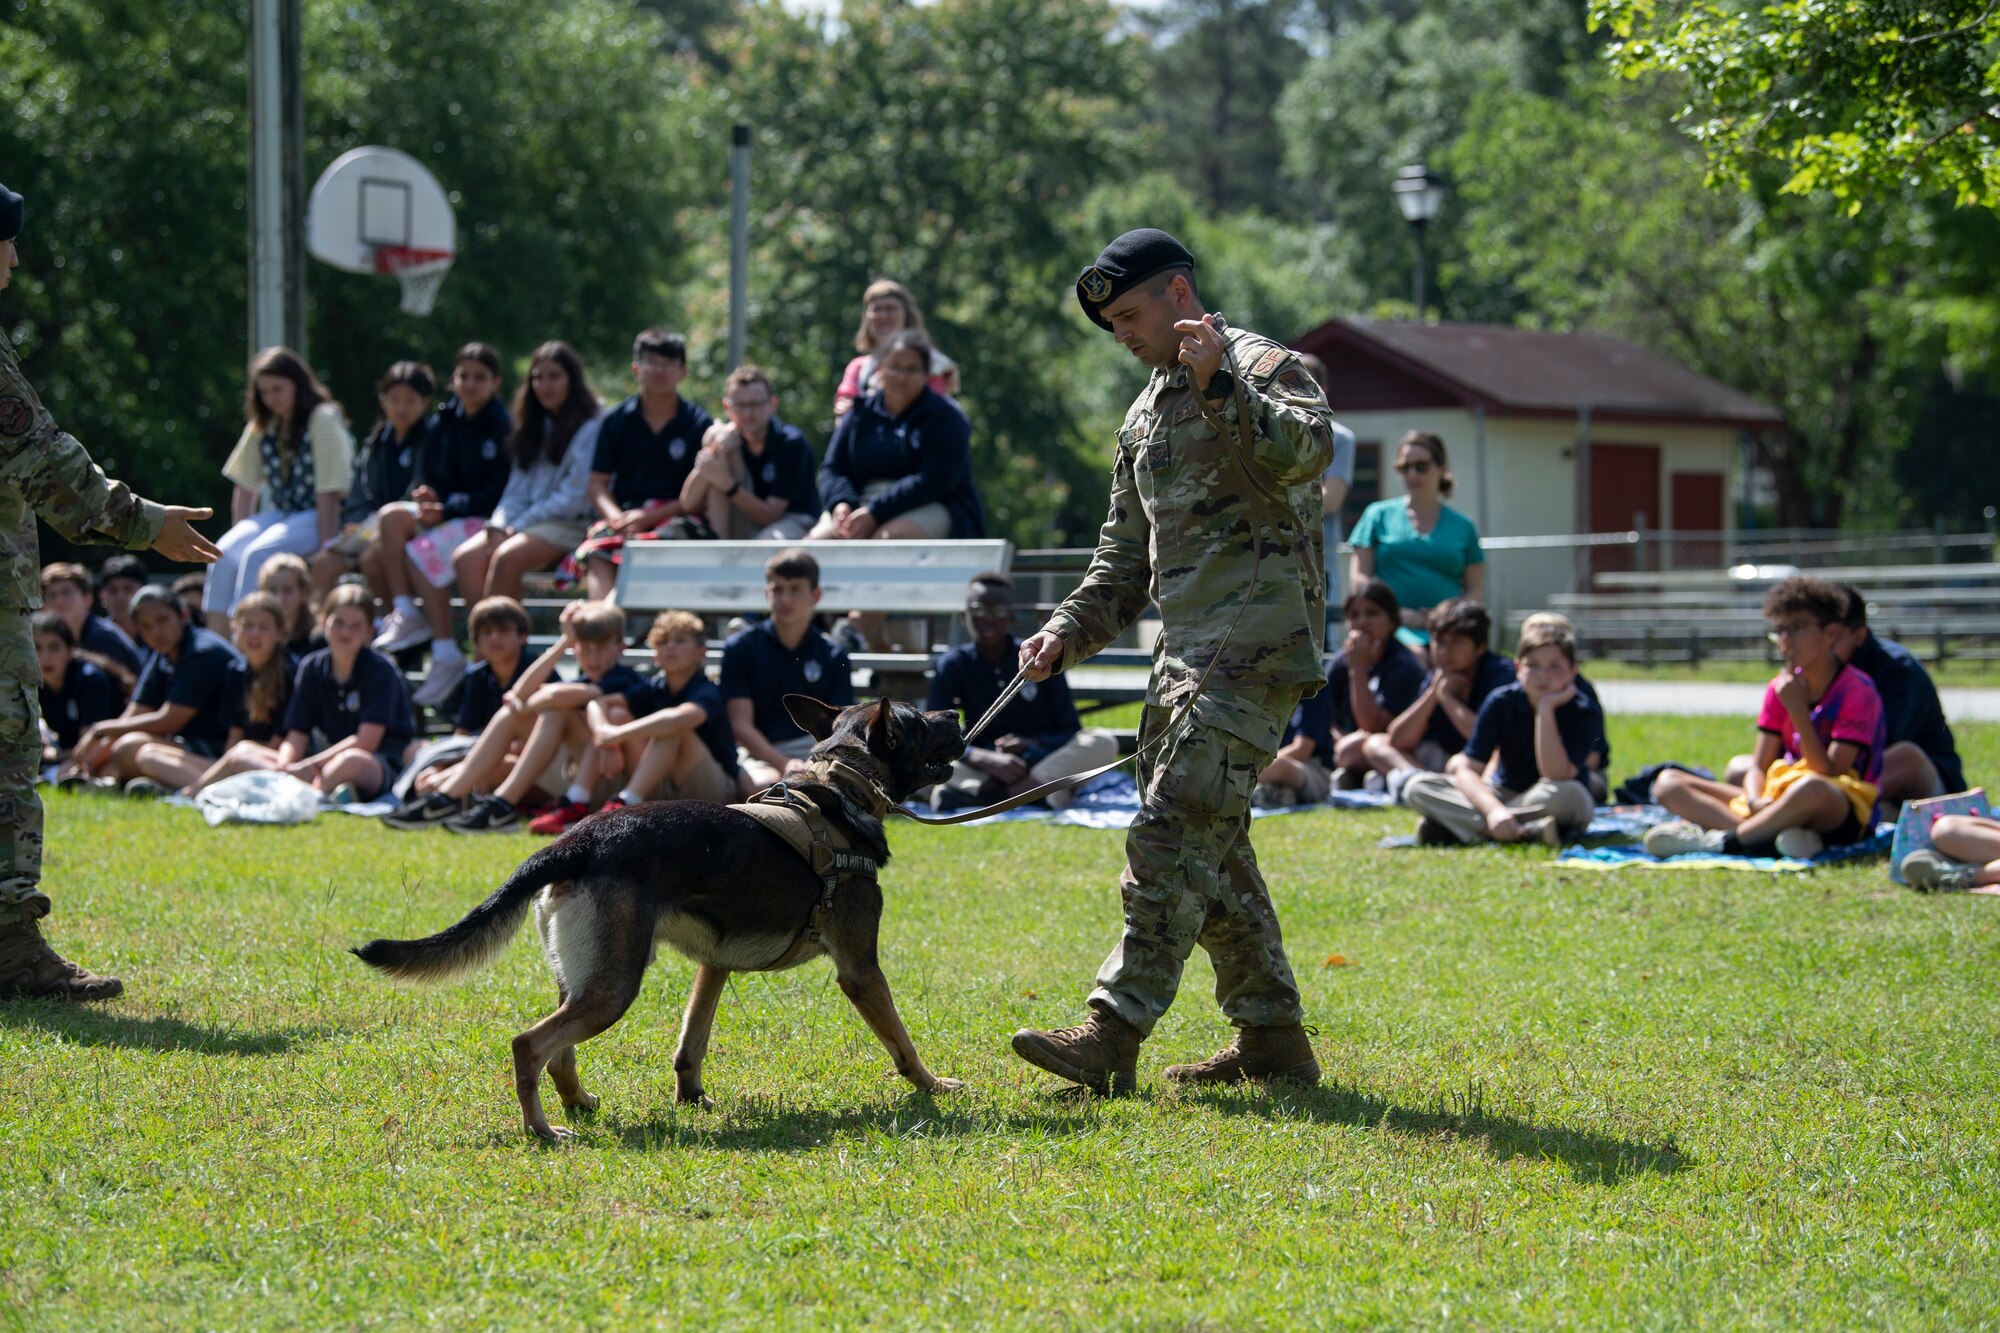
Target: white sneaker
x,y
1677,837
1800,844
402,630
437,687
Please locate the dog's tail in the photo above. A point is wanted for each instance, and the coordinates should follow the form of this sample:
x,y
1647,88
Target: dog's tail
x,y
486,928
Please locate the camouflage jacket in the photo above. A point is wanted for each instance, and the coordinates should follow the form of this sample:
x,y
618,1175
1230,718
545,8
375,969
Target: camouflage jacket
x,y
1179,532
44,471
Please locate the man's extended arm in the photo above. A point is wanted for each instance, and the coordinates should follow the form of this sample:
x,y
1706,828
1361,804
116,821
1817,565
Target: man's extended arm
x,y
1118,584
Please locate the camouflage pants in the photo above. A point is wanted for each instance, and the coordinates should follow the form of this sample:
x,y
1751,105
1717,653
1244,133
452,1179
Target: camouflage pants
x,y
21,897
1190,875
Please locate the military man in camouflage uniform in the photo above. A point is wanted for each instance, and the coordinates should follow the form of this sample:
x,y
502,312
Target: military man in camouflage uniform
x,y
45,472
1186,505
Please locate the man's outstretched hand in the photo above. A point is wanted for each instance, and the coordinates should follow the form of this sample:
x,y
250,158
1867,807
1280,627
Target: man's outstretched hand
x,y
179,541
1041,655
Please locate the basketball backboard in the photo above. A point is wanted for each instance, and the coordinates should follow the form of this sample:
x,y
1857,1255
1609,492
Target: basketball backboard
x,y
378,210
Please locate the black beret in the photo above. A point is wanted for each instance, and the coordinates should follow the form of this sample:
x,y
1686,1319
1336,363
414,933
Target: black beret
x,y
13,208
1125,263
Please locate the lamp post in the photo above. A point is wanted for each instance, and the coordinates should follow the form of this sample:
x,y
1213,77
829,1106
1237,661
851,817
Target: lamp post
x,y
1419,194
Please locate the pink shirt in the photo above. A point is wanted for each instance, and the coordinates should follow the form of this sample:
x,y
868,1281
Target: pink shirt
x,y
852,385
1850,711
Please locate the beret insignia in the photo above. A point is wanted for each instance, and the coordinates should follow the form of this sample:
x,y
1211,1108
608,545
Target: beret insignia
x,y
15,416
1095,285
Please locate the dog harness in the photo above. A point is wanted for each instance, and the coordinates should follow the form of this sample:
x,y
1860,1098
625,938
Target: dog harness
x,y
799,821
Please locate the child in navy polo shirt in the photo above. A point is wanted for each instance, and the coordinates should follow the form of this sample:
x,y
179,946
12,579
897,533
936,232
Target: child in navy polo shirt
x,y
461,469
288,580
119,579
1373,678
669,735
66,591
1301,773
263,690
755,478
780,656
349,722
646,450
78,688
549,714
1465,671
498,628
383,468
178,720
1521,775
1037,738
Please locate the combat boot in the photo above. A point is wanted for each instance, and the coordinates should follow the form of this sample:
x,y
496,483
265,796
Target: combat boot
x,y
1281,1055
31,970
1102,1054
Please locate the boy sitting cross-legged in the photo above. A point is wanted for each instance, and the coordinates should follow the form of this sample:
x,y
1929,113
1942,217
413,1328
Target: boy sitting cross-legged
x,y
498,628
1466,672
1814,777
543,717
670,734
1536,737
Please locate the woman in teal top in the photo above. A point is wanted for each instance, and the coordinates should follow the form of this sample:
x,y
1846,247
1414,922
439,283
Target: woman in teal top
x,y
1420,546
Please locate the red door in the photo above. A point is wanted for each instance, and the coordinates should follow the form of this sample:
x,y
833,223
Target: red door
x,y
1624,494
1697,499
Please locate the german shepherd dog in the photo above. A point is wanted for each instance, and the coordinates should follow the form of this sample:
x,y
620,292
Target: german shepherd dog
x,y
714,884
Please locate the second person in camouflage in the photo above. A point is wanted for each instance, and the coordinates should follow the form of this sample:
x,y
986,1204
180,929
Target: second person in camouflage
x,y
1180,533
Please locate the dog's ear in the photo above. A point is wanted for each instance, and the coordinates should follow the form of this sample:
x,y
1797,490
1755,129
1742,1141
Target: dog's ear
x,y
816,716
883,733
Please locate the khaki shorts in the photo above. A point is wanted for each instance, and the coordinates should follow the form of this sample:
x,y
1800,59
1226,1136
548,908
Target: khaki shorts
x,y
564,535
1318,784
706,783
762,774
932,518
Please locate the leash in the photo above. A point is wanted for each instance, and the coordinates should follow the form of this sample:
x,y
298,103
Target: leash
x,y
1238,452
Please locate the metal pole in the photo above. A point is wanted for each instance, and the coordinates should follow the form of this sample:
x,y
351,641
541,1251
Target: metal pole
x,y
739,243
1417,270
267,178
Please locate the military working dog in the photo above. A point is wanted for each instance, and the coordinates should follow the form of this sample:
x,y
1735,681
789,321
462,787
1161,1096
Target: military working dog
x,y
714,883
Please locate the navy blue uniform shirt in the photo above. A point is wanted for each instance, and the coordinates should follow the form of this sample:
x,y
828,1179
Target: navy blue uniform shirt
x,y
271,730
336,709
481,696
464,459
757,667
1491,672
1397,682
383,467
787,468
103,637
926,452
646,464
1043,714
1507,724
651,695
1910,706
88,695
203,677
1313,719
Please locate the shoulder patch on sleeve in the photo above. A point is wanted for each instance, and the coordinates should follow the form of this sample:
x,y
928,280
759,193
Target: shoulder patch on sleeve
x,y
1296,381
1270,361
15,416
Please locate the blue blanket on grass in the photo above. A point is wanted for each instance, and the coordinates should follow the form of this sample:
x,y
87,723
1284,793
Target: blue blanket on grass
x,y
1625,856
1112,801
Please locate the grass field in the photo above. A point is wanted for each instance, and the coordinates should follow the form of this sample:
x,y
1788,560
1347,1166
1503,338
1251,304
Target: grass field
x,y
1634,1100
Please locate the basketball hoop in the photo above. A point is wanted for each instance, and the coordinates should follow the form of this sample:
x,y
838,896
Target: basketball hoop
x,y
421,272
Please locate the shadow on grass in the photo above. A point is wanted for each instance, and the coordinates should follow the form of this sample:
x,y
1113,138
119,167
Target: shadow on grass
x,y
94,1027
1597,1159
765,1127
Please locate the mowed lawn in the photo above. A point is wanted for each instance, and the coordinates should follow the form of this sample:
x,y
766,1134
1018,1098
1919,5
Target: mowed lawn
x,y
1553,1098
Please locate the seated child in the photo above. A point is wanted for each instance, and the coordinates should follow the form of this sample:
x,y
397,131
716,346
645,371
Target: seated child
x,y
1964,856
66,592
1036,738
288,579
383,466
1301,773
119,579
1373,678
776,657
178,720
541,717
1437,726
1595,776
349,722
1922,758
79,688
263,691
1537,736
1814,778
498,628
669,734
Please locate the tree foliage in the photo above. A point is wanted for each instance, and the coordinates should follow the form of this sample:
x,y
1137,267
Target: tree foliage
x,y
1858,99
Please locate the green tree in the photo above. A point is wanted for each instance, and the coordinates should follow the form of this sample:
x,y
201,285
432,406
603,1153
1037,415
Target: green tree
x,y
1861,99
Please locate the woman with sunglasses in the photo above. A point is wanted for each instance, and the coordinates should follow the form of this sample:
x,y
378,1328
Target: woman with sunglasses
x,y
1425,550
